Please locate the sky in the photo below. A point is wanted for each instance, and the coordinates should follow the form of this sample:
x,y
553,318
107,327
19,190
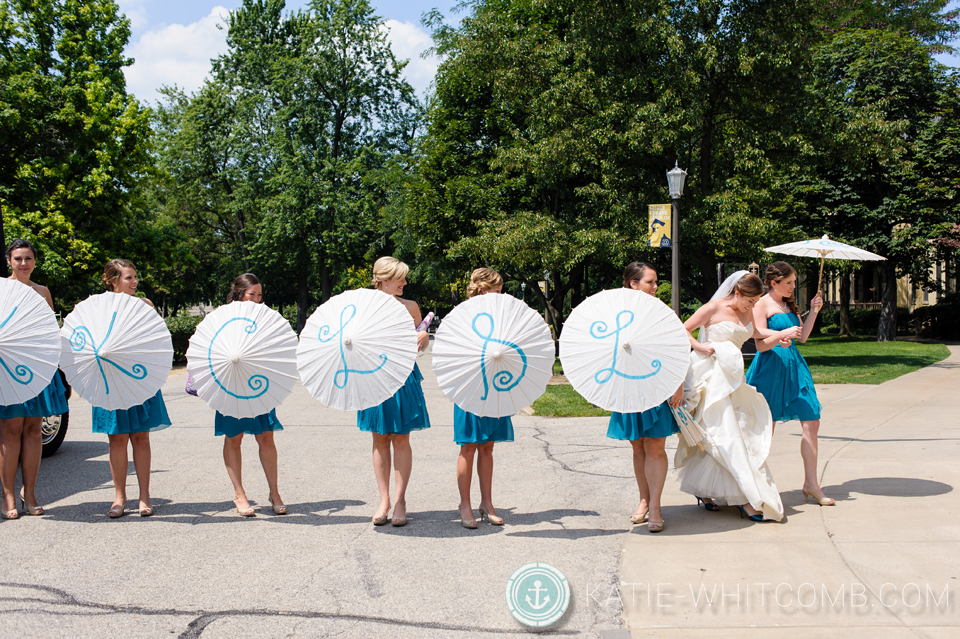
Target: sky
x,y
173,41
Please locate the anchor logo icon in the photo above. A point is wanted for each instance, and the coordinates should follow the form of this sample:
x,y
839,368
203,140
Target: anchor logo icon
x,y
537,590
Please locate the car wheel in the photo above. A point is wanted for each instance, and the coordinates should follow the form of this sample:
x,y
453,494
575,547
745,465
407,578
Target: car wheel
x,y
52,432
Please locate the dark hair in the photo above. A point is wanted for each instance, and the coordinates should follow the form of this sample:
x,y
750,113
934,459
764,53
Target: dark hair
x,y
777,272
20,243
634,272
749,286
112,272
240,286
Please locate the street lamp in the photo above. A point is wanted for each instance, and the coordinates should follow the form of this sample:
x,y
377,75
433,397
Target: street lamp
x,y
675,179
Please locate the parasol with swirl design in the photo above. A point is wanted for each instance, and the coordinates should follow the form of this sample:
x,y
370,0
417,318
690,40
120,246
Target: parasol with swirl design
x,y
29,343
357,349
624,350
243,359
115,350
493,355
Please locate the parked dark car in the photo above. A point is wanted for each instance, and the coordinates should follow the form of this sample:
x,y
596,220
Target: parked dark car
x,y
54,428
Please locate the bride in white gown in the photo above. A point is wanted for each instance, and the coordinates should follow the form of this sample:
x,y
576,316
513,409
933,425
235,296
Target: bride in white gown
x,y
732,468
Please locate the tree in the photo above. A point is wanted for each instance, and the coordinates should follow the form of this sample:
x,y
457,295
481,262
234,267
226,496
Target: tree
x,y
553,124
272,157
73,144
888,166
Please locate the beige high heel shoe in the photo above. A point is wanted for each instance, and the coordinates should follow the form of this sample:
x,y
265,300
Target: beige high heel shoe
x,y
33,511
493,519
467,523
278,510
826,501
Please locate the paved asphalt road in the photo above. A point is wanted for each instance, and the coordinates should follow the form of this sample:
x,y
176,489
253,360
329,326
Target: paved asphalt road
x,y
197,569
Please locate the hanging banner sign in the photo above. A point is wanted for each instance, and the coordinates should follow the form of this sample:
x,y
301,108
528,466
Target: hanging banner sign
x,y
659,227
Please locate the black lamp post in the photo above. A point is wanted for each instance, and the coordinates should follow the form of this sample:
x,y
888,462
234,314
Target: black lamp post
x,y
675,179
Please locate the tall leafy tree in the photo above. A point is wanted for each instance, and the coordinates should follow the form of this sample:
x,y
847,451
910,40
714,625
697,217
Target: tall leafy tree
x,y
73,144
887,170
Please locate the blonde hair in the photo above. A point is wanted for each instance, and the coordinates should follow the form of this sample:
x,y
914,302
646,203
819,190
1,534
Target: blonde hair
x,y
483,280
388,269
113,270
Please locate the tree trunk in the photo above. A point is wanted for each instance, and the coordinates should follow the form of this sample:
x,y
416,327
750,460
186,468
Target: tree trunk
x,y
301,300
325,286
887,330
3,242
845,306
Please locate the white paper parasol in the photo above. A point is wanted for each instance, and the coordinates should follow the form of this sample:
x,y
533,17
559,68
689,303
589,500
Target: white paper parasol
x,y
493,355
824,248
243,359
357,349
624,350
116,350
29,343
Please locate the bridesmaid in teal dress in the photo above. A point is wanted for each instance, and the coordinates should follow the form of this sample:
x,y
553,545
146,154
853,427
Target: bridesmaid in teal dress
x,y
21,424
477,435
647,431
132,425
391,422
781,374
247,288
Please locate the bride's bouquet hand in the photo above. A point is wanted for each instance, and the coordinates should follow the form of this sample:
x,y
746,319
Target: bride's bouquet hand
x,y
704,348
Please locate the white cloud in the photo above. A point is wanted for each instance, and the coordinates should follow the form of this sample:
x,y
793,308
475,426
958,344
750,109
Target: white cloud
x,y
408,41
180,54
136,11
175,54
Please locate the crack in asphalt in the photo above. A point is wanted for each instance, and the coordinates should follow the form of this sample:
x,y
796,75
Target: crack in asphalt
x,y
203,618
553,458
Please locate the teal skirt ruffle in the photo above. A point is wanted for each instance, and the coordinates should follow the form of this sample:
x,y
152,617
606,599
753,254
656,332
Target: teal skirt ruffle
x,y
470,429
656,422
51,401
783,377
406,411
233,426
148,417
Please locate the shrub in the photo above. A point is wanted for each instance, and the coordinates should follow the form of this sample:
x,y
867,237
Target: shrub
x,y
181,330
863,321
940,321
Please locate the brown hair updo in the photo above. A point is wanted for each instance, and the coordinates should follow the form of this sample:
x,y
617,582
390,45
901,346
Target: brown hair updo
x,y
483,280
777,272
113,270
240,286
749,286
634,272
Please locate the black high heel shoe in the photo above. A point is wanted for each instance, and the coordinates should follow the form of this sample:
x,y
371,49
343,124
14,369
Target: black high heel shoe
x,y
758,517
712,507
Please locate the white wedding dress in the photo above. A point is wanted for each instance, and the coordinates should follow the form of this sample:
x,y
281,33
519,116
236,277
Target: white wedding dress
x,y
732,467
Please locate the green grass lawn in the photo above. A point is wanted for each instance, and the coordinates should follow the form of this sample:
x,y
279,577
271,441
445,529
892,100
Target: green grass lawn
x,y
832,360
863,360
563,401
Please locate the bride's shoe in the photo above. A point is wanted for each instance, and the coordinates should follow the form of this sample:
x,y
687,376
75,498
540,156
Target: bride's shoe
x,y
757,517
707,505
825,501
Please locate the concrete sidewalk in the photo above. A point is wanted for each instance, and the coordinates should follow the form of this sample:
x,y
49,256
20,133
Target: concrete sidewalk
x,y
887,556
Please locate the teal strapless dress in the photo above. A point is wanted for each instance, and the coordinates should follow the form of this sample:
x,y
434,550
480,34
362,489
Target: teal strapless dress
x,y
656,422
148,417
51,401
470,429
406,411
783,377
233,426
